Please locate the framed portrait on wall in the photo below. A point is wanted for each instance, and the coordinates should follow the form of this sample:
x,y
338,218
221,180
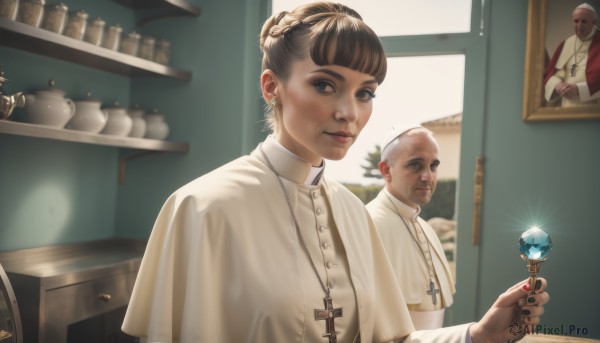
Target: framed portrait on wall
x,y
559,63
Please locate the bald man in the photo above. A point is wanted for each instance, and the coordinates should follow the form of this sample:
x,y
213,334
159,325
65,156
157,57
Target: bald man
x,y
572,76
409,163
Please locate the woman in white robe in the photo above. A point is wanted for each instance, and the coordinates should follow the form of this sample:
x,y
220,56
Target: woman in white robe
x,y
267,249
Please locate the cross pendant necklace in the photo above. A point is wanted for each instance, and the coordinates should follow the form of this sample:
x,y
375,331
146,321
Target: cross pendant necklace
x,y
575,52
431,290
328,314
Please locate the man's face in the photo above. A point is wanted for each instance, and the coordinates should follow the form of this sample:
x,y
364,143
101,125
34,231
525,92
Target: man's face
x,y
583,22
411,174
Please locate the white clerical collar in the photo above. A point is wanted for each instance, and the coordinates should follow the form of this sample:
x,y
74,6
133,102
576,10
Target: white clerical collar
x,y
590,35
405,210
314,174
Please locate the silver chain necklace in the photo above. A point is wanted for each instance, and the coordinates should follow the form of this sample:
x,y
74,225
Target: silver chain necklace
x,y
575,52
431,290
328,313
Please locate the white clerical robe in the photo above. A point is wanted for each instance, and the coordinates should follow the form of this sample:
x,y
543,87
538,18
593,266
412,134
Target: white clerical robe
x,y
574,52
400,229
224,262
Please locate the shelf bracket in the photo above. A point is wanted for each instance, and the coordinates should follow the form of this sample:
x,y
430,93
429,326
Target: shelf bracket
x,y
123,162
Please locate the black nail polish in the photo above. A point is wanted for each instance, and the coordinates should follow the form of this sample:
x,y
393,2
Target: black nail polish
x,y
526,312
538,285
531,300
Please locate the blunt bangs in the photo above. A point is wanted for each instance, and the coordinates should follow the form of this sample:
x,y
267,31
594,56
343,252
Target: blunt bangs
x,y
350,43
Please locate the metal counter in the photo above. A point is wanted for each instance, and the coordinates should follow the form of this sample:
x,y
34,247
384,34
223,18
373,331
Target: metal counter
x,y
56,286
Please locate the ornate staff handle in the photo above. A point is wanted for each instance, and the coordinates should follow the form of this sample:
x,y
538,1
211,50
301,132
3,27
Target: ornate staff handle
x,y
535,245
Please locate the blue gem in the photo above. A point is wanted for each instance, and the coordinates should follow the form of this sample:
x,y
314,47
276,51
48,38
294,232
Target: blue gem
x,y
535,244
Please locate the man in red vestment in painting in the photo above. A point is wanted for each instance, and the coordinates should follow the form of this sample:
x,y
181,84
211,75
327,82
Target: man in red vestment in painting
x,y
572,76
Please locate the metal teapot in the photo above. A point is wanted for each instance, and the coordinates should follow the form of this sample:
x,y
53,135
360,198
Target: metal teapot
x,y
9,102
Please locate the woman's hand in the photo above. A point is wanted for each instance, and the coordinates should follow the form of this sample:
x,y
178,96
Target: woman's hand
x,y
512,311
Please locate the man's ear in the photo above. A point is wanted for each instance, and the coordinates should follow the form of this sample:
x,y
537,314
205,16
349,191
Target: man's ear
x,y
384,168
269,85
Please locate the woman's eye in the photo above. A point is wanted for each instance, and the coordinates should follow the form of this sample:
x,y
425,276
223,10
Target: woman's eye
x,y
323,86
366,94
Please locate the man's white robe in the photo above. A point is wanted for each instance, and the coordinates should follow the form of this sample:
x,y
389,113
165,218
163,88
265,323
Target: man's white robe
x,y
224,263
407,259
586,55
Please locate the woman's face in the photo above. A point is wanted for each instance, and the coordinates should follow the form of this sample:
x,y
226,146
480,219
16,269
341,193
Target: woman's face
x,y
322,109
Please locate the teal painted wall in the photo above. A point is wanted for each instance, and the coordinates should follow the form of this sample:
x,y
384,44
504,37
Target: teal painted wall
x,y
56,192
208,112
536,173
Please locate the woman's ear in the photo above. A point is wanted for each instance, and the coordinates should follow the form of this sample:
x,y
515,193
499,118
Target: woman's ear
x,y
268,85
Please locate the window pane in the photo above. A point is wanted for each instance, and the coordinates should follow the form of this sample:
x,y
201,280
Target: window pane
x,y
403,17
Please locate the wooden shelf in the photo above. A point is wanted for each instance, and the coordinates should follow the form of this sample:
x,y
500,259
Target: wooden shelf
x,y
157,9
25,37
41,131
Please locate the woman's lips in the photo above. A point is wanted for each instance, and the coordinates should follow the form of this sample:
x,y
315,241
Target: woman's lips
x,y
341,137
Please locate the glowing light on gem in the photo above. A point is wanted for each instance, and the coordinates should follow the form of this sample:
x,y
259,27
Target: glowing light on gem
x,y
535,244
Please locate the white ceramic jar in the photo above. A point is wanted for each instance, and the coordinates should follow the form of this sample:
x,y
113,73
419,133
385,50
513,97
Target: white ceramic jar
x,y
119,122
138,129
49,107
156,127
89,117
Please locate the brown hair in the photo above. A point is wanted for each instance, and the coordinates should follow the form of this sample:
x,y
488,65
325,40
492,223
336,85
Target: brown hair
x,y
332,33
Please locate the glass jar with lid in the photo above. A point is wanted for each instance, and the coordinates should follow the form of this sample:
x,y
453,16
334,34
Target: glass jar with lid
x,y
55,17
147,47
94,31
31,12
162,51
76,24
112,37
9,9
130,44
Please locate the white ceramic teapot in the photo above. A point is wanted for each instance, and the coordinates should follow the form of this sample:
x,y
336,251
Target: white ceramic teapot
x,y
138,129
49,107
156,127
88,115
119,122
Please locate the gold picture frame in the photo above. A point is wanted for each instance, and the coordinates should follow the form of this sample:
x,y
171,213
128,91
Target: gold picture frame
x,y
538,52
